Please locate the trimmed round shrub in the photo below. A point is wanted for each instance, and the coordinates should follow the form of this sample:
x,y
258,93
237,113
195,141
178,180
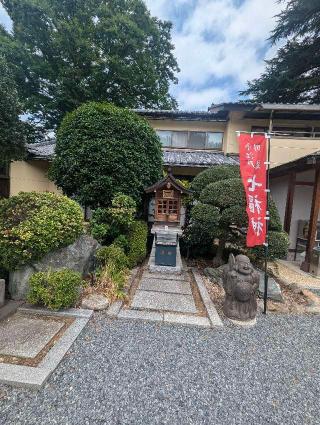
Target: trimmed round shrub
x,y
34,224
212,175
224,193
55,289
103,150
278,246
206,216
234,215
137,239
112,254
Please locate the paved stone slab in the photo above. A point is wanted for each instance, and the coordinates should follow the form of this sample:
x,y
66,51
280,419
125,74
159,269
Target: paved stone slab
x,y
114,308
164,285
25,336
168,276
183,319
35,377
141,315
160,301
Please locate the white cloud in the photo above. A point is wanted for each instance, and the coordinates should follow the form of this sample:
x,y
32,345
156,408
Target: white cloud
x,y
218,41
4,18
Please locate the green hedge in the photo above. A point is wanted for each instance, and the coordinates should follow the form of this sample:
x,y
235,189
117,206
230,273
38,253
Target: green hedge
x,y
213,175
33,224
103,150
278,246
109,223
137,241
55,289
224,193
112,254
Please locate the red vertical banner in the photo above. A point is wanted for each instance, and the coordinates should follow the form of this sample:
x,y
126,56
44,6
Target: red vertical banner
x,y
253,151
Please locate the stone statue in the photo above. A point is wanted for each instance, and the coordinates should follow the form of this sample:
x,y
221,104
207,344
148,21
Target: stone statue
x,y
240,282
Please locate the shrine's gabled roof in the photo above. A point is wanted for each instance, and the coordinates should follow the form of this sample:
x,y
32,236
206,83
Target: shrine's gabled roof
x,y
163,183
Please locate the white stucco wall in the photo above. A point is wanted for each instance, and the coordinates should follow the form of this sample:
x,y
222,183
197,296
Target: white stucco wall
x,y
301,202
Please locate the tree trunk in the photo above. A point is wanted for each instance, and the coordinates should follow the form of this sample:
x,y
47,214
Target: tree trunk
x,y
218,260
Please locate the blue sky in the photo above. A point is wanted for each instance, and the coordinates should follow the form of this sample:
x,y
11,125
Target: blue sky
x,y
219,44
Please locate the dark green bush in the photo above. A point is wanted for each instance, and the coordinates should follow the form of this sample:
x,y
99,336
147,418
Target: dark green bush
x,y
212,175
137,239
221,213
108,223
278,246
55,289
224,193
112,254
122,242
33,224
207,216
103,150
275,222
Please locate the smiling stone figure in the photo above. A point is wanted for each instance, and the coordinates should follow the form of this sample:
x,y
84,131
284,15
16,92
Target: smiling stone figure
x,y
240,282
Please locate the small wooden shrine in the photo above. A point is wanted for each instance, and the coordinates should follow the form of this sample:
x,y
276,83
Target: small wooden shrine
x,y
168,193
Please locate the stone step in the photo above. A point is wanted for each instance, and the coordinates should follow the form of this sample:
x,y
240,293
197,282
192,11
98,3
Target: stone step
x,y
164,302
164,285
167,276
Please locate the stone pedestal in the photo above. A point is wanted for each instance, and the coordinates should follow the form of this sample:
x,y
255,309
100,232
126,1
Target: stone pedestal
x,y
2,291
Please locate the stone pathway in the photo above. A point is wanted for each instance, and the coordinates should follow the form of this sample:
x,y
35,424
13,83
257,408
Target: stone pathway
x,y
169,297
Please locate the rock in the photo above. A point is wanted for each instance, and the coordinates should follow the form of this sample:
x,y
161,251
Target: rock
x,y
2,291
215,274
78,257
95,302
274,290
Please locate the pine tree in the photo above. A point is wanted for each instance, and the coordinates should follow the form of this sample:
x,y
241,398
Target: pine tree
x,y
293,75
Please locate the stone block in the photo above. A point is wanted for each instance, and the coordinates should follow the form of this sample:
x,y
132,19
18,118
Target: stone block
x,y
164,302
78,257
274,290
141,315
167,286
188,320
95,302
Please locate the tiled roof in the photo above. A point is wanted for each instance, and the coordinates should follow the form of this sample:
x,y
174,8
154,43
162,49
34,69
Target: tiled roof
x,y
180,115
198,158
180,158
43,150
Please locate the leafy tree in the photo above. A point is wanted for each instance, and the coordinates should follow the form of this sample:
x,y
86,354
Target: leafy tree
x,y
115,221
220,212
73,51
103,150
293,75
12,138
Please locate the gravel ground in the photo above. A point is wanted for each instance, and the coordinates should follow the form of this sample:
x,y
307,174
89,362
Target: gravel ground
x,y
124,372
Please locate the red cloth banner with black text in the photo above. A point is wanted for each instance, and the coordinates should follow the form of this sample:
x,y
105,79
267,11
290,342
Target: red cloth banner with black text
x,y
253,150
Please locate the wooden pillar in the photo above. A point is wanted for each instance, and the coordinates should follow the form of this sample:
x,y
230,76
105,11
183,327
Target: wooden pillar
x,y
289,204
315,208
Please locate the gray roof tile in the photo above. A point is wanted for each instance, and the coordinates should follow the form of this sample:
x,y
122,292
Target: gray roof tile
x,y
180,158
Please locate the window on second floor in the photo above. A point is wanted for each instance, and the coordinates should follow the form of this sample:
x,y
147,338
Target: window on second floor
x,y
191,139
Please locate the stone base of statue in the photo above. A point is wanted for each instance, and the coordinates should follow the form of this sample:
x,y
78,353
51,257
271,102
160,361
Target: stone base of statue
x,y
244,324
240,282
